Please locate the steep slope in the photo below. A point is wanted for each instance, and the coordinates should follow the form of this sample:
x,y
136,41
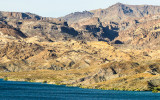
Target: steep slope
x,y
10,32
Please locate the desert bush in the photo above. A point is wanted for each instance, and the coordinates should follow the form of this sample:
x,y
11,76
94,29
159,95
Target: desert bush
x,y
5,78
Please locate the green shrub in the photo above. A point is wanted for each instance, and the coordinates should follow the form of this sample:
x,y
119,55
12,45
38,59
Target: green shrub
x,y
156,89
5,78
27,79
44,82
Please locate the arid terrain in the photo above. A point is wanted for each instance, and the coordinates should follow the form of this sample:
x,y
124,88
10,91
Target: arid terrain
x,y
117,48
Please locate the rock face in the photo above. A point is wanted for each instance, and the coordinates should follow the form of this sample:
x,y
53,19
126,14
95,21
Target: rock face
x,y
145,34
9,31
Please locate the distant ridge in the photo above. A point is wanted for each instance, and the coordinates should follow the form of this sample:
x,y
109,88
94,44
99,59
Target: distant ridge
x,y
117,12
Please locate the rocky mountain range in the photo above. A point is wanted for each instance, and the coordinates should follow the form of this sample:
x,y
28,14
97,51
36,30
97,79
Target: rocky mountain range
x,y
115,13
113,48
120,24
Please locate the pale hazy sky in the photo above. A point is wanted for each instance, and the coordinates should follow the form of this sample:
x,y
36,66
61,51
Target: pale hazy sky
x,y
57,8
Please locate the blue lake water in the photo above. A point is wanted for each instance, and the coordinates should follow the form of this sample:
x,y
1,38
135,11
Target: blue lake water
x,y
10,90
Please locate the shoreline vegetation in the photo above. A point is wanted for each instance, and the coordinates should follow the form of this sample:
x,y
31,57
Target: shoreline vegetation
x,y
154,89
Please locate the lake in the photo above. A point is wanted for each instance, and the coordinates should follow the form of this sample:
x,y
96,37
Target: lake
x,y
10,90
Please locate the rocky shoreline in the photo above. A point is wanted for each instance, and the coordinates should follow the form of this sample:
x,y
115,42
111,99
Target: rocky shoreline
x,y
154,90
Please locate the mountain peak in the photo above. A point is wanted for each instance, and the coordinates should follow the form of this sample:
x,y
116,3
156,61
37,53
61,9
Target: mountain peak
x,y
118,4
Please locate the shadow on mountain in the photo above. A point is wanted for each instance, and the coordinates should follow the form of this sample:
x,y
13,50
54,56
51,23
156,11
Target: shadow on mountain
x,y
70,31
118,42
111,34
103,40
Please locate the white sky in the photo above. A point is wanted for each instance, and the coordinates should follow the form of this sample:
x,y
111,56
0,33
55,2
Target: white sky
x,y
58,8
